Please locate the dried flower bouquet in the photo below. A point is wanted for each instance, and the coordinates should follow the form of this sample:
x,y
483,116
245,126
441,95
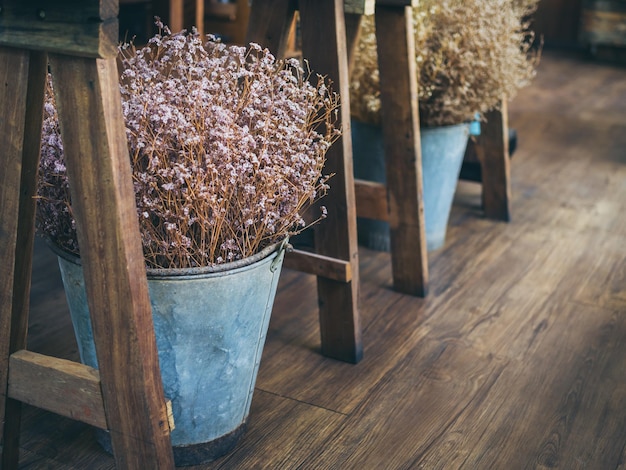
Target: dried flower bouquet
x,y
227,146
469,54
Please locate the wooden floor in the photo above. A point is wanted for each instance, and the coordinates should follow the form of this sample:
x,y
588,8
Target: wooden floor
x,y
517,358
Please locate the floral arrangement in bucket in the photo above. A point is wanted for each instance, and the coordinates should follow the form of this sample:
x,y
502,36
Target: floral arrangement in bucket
x,y
470,55
227,146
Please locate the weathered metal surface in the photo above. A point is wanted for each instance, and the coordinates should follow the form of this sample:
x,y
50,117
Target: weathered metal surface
x,y
210,330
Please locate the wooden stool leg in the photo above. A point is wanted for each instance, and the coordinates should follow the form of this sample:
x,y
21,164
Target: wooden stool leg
x,y
400,122
98,165
336,236
493,153
25,74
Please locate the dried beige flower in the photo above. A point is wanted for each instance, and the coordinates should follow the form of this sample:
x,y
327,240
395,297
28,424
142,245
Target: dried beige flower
x,y
469,54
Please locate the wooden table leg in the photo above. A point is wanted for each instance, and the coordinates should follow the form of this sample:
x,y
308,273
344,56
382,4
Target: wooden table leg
x,y
400,123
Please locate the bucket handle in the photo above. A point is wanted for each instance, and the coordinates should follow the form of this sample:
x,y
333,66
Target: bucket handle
x,y
284,246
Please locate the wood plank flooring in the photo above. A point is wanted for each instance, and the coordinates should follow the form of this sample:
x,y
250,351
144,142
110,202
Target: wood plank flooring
x,y
516,359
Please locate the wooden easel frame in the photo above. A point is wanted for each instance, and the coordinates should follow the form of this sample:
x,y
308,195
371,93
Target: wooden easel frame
x,y
126,395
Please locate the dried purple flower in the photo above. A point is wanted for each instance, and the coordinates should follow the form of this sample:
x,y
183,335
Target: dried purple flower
x,y
227,146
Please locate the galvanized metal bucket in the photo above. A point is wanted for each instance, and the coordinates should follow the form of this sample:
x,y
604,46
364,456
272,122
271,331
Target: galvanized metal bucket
x,y
443,149
210,326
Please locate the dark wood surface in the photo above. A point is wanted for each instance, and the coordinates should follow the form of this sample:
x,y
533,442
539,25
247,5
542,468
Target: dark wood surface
x,y
87,28
493,153
516,359
17,180
324,45
66,387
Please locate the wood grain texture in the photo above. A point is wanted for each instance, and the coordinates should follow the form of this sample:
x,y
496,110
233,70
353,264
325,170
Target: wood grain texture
x,y
33,116
33,119
297,371
293,440
403,159
269,24
98,166
514,360
353,30
336,236
371,200
450,375
64,387
86,28
14,67
319,265
517,419
493,153
13,100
